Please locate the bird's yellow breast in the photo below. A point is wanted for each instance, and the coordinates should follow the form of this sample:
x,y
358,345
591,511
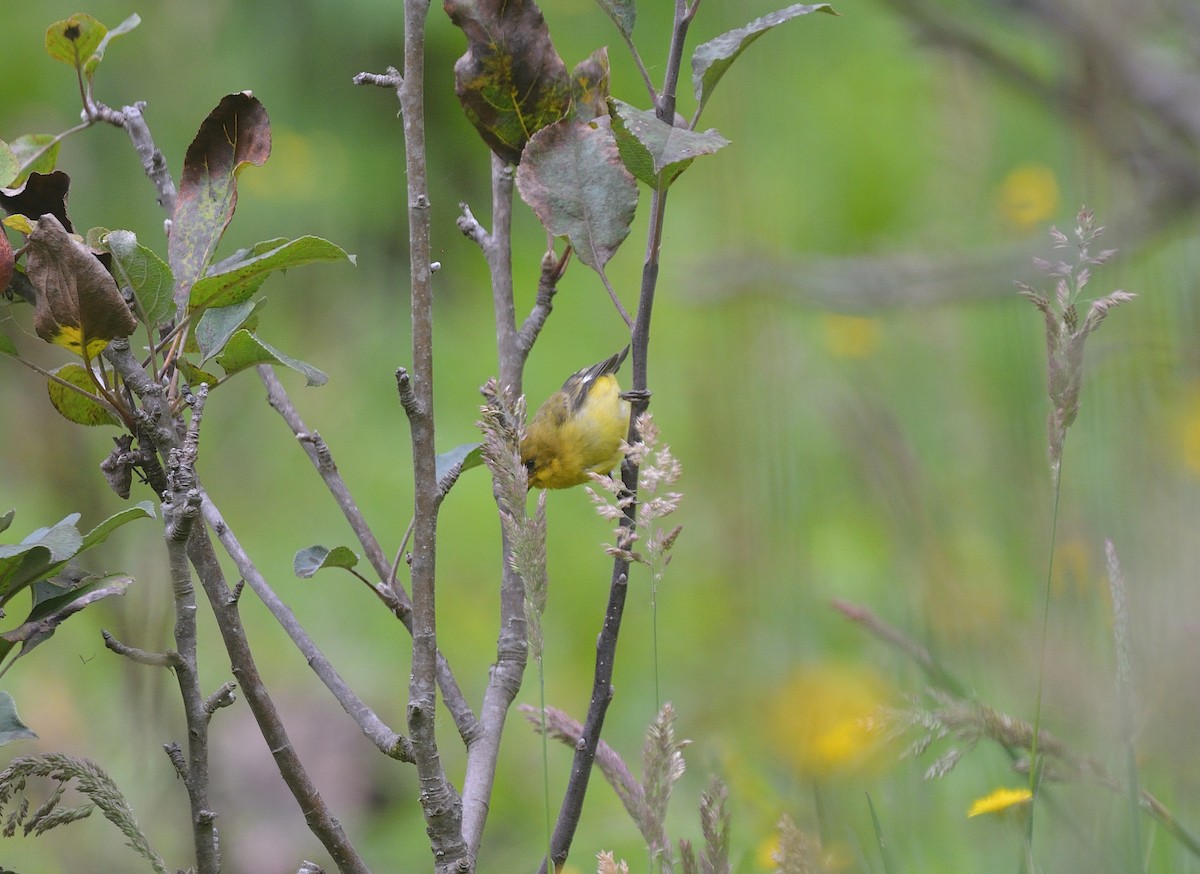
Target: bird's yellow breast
x,y
563,445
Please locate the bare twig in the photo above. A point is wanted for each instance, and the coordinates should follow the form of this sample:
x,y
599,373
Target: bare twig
x,y
388,741
317,815
168,659
181,509
393,596
130,118
158,430
606,644
440,803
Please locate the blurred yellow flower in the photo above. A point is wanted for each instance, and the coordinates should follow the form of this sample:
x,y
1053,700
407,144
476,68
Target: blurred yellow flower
x,y
1073,569
854,337
999,801
1189,433
1029,196
824,720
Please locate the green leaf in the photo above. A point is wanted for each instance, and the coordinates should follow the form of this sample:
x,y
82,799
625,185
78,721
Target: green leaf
x,y
712,59
6,520
25,147
245,349
140,510
120,30
82,409
11,726
308,561
233,281
511,82
38,556
654,151
451,464
54,603
140,268
218,324
622,12
195,376
573,178
9,164
8,347
74,40
235,134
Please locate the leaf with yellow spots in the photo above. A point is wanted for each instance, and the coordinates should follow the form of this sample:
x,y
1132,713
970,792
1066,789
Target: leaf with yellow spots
x,y
78,304
590,85
511,82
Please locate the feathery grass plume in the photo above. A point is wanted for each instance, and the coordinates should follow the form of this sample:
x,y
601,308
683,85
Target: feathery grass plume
x,y
90,780
969,722
1065,335
563,728
657,468
662,766
715,820
608,865
797,853
500,420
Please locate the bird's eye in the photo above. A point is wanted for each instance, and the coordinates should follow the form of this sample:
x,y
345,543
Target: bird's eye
x,y
529,466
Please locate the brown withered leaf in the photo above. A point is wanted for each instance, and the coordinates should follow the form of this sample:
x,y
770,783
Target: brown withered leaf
x,y
511,82
78,304
41,194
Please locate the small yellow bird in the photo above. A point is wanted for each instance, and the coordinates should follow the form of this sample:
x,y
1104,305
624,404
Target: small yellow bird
x,y
579,429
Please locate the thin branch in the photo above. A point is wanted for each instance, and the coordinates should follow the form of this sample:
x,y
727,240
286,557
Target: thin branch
x,y
606,644
553,267
317,815
153,163
511,646
391,594
181,509
440,803
168,659
388,741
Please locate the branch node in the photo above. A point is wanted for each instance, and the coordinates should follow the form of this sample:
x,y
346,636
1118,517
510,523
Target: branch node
x,y
175,754
222,697
390,79
408,394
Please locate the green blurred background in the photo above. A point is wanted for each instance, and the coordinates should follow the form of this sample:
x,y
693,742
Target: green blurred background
x,y
890,455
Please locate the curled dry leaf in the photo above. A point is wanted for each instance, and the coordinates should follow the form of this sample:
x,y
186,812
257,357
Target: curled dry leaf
x,y
78,304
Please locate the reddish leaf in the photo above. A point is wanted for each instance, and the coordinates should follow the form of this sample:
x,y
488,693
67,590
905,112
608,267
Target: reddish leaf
x,y
235,134
6,261
511,82
573,178
78,304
